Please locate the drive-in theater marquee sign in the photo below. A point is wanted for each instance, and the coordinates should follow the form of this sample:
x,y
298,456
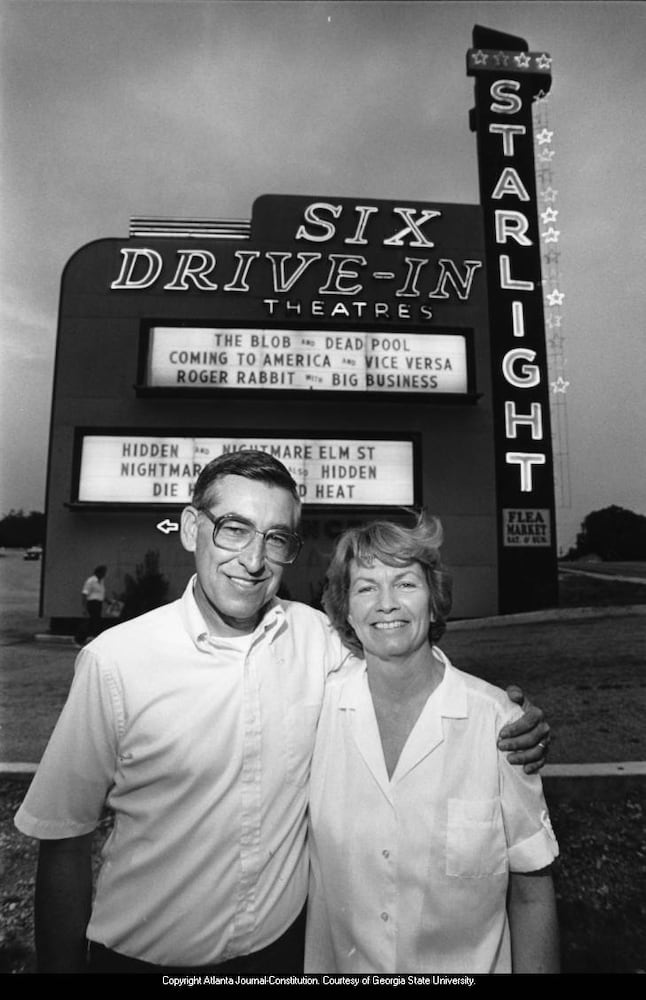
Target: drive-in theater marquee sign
x,y
390,353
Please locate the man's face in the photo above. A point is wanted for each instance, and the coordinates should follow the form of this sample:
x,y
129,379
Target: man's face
x,y
233,587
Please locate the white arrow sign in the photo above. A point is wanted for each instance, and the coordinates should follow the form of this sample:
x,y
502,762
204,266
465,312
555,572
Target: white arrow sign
x,y
167,526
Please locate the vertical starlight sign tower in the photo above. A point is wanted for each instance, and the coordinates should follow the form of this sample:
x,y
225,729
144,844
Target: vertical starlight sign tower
x,y
508,79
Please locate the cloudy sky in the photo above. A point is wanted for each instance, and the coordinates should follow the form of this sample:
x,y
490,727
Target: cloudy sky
x,y
116,108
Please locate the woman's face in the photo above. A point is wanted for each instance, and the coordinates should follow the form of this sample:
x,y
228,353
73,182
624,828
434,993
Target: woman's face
x,y
389,608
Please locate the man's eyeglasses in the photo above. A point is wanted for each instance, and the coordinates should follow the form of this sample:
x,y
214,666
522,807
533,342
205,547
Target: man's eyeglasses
x,y
235,533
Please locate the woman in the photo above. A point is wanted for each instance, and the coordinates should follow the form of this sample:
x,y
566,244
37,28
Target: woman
x,y
430,852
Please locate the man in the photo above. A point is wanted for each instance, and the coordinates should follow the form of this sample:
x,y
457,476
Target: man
x,y
195,725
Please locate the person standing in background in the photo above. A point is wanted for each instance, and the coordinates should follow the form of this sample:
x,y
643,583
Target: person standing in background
x,y
93,597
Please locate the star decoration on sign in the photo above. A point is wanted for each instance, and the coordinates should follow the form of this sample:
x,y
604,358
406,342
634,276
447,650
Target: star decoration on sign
x,y
501,58
522,60
540,96
550,256
480,58
543,61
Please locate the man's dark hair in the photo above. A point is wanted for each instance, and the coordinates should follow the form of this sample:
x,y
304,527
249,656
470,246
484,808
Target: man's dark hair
x,y
258,465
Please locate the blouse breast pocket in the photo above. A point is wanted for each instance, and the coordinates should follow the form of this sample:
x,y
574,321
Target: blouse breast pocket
x,y
475,838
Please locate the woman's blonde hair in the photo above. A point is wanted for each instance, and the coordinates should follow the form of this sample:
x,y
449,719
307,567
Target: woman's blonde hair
x,y
394,545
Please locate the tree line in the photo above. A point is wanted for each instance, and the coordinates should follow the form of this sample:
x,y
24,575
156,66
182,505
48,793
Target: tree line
x,y
612,533
19,530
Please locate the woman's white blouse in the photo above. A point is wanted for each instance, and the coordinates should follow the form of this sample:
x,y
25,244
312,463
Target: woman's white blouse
x,y
409,873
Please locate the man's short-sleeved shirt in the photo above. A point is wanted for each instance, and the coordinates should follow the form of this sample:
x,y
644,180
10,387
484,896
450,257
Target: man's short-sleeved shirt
x,y
93,589
202,748
410,873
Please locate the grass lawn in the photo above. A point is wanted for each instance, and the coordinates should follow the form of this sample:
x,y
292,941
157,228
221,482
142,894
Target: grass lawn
x,y
589,676
579,591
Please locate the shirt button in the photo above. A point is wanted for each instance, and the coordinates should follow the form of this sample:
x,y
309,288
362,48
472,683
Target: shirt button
x,y
384,917
386,853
